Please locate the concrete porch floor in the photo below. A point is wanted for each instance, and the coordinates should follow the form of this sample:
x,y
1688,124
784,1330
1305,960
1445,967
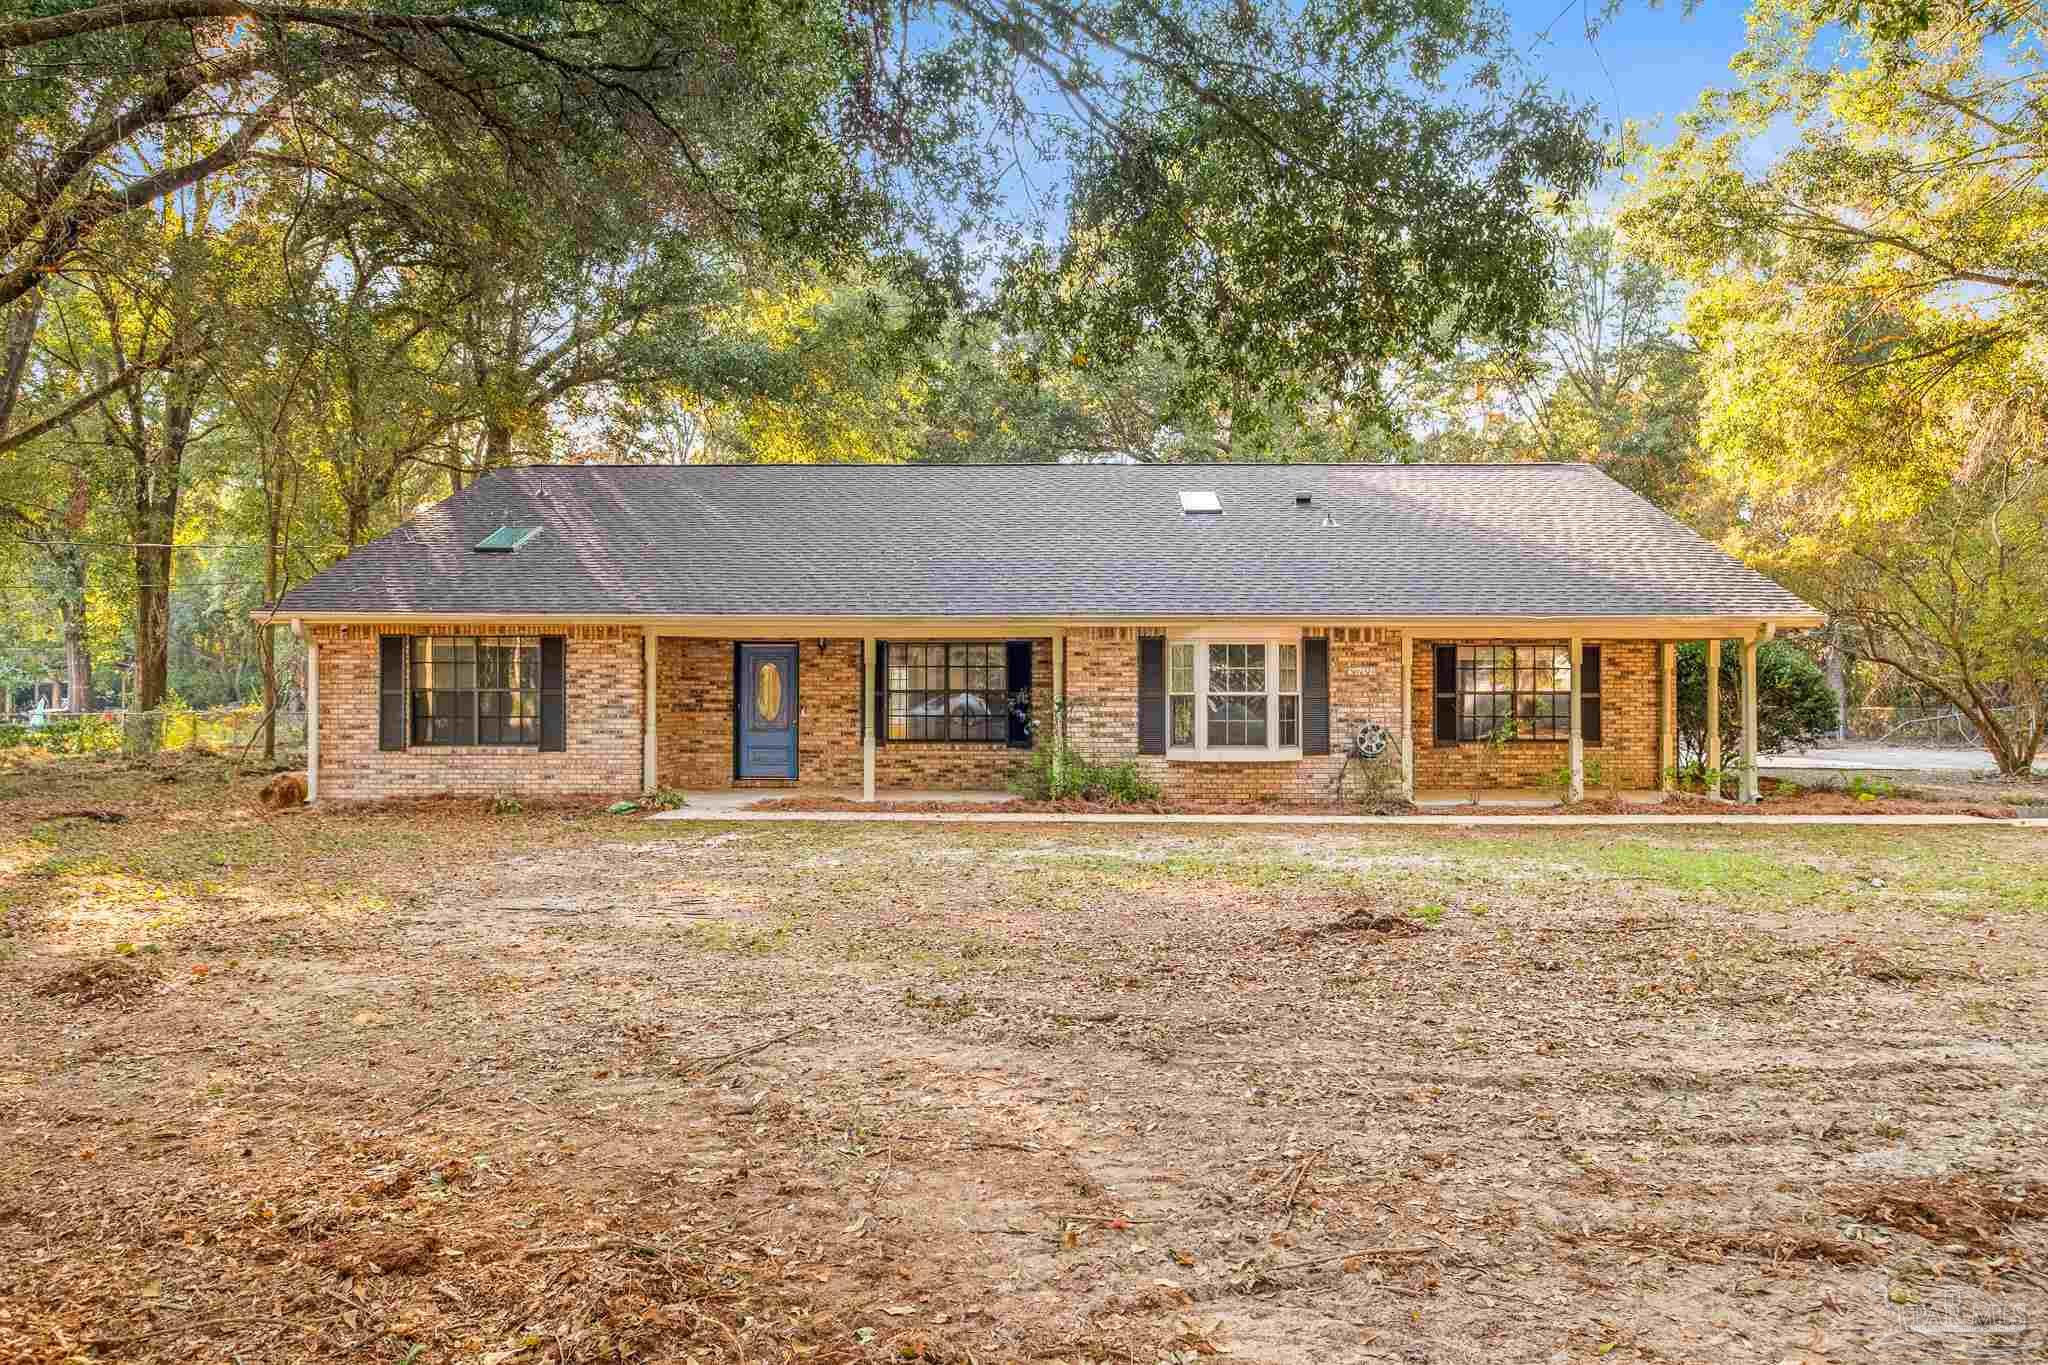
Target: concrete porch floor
x,y
708,803
722,802
1519,798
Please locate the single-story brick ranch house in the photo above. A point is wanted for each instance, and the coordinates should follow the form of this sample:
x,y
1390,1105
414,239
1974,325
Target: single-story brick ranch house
x,y
597,630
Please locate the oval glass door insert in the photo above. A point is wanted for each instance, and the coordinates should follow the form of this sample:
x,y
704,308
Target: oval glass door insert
x,y
768,693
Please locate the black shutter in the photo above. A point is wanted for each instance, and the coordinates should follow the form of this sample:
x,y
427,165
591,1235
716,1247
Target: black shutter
x,y
1019,669
391,692
554,704
1446,692
1315,695
881,717
1151,694
1589,696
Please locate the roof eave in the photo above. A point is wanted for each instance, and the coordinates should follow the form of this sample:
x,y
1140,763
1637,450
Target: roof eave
x,y
1676,626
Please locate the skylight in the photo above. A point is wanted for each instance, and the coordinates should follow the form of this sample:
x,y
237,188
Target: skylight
x,y
1193,501
506,539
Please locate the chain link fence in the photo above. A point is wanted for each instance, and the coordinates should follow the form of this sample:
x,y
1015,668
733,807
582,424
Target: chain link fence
x,y
1924,727
137,734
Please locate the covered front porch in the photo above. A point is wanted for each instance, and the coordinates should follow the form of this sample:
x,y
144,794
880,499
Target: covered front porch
x,y
741,710
808,708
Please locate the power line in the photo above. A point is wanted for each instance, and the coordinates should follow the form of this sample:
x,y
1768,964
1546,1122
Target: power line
x,y
163,545
177,584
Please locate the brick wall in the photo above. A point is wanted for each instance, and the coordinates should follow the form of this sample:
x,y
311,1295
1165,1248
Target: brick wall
x,y
693,724
1102,709
1630,707
603,731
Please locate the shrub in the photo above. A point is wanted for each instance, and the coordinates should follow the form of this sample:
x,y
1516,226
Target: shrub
x,y
1593,771
87,734
1794,704
1057,773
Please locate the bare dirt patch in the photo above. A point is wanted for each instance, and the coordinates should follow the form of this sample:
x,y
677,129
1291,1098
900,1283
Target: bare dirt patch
x,y
544,1087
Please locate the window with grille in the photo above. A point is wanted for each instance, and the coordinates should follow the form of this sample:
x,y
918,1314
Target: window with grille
x,y
1528,685
471,690
947,691
1227,695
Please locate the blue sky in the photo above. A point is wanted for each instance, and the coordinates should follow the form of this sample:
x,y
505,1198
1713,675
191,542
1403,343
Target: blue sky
x,y
1644,64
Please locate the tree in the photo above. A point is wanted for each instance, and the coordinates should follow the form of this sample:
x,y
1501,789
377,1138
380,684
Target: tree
x,y
1606,379
1342,230
1871,308
1899,243
1953,598
156,304
1794,704
1333,184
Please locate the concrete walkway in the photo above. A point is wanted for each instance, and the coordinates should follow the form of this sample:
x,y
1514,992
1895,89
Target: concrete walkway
x,y
1882,758
732,812
735,803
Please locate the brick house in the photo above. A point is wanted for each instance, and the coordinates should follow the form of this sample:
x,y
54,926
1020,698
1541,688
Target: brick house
x,y
1239,630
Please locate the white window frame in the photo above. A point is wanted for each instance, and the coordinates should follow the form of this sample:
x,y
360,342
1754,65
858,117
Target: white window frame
x,y
1201,751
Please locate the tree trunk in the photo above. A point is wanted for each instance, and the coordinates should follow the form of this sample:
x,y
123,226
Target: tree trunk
x,y
1838,678
155,522
2013,749
152,626
21,336
77,650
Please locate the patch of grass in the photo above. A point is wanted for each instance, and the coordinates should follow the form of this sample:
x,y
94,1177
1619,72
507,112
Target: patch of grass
x,y
1720,870
732,938
1428,914
941,1008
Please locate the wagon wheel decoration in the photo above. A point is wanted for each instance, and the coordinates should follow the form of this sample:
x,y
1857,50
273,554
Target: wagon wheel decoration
x,y
1372,740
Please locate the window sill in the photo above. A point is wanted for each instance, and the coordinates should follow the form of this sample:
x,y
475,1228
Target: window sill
x,y
951,744
1560,741
1290,755
472,748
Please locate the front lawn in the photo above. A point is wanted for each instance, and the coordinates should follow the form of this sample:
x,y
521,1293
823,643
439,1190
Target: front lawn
x,y
433,1085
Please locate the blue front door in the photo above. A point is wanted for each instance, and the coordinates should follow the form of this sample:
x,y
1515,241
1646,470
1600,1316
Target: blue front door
x,y
767,711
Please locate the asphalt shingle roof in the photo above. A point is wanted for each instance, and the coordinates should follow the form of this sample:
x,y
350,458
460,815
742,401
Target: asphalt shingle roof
x,y
1048,540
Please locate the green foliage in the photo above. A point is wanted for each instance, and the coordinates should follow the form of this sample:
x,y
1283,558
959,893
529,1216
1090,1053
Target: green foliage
x,y
1695,775
1795,706
89,734
1057,772
275,286
1255,239
1559,779
1605,380
1883,270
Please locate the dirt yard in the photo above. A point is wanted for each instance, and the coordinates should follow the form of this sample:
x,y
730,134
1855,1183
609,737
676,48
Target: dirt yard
x,y
436,1085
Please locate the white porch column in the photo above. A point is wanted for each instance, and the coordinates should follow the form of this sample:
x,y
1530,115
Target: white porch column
x,y
1713,755
868,665
312,721
651,650
1751,789
1407,716
1667,717
1578,745
1059,697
